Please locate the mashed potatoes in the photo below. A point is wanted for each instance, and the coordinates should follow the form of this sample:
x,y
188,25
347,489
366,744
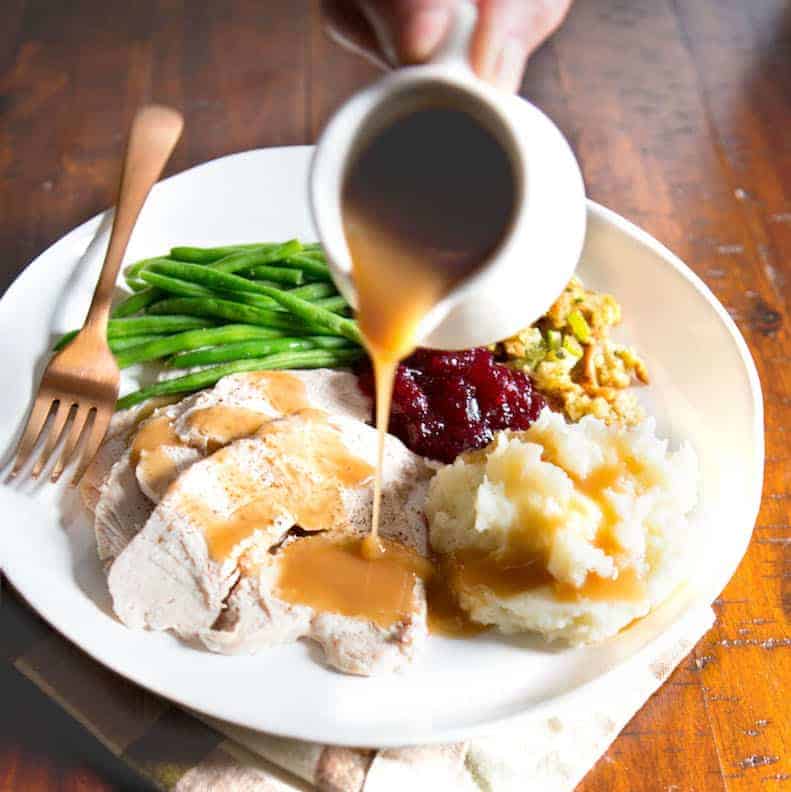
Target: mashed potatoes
x,y
569,530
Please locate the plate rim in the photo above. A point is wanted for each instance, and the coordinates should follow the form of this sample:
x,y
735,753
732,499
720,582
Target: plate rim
x,y
610,218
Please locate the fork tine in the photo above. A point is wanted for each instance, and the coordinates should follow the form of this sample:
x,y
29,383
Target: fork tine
x,y
72,441
98,431
35,423
62,412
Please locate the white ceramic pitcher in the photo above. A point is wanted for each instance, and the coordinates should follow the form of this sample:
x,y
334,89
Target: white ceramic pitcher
x,y
539,252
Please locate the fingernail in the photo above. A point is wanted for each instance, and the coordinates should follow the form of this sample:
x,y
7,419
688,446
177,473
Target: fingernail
x,y
422,33
504,65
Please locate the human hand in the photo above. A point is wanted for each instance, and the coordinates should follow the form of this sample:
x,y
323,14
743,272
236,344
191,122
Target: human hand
x,y
408,31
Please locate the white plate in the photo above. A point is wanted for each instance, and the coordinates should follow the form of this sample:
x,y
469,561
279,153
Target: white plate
x,y
705,389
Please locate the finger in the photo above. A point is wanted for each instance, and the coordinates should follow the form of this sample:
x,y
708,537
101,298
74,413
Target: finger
x,y
409,31
422,26
347,26
508,31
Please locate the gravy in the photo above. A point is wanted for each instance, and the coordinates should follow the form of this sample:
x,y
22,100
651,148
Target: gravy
x,y
284,391
218,425
336,575
332,574
519,569
506,577
445,616
221,425
149,451
224,534
425,203
310,467
528,571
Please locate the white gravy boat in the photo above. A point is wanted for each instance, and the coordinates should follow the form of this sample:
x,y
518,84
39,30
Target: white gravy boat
x,y
539,252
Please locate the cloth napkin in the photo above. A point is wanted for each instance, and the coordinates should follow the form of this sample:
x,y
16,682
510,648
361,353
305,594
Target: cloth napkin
x,y
187,752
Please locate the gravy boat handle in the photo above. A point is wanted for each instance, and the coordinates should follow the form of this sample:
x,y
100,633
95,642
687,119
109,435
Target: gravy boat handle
x,y
455,48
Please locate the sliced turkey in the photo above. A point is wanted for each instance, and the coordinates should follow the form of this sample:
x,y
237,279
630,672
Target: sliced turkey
x,y
124,483
212,532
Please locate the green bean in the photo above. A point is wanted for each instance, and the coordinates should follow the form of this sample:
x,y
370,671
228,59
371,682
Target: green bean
x,y
308,358
248,298
273,284
200,255
316,316
285,275
310,265
245,259
331,342
241,351
135,303
209,278
315,255
314,291
228,259
132,273
139,325
182,288
336,304
308,312
143,325
194,339
121,344
234,312
254,349
177,286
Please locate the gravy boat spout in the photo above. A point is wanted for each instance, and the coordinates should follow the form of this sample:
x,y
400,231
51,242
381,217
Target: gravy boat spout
x,y
537,254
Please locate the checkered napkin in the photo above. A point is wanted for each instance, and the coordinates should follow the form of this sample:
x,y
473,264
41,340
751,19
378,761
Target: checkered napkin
x,y
186,752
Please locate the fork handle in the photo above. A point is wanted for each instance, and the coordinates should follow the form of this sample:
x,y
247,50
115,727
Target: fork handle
x,y
153,136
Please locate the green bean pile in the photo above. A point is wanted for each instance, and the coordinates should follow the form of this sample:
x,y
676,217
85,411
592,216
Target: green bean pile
x,y
225,310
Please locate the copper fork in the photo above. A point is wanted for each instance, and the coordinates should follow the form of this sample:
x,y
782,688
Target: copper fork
x,y
83,379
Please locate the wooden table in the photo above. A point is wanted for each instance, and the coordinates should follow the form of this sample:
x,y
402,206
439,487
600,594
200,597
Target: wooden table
x,y
680,113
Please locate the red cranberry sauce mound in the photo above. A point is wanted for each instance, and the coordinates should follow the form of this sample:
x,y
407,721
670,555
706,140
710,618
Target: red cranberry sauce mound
x,y
448,402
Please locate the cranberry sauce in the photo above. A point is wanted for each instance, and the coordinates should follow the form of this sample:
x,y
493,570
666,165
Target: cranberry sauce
x,y
448,402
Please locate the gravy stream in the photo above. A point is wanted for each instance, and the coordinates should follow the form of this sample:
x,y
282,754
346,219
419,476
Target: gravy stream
x,y
382,269
425,203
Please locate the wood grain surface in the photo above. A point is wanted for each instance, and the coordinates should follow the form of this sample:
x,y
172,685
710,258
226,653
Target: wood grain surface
x,y
680,113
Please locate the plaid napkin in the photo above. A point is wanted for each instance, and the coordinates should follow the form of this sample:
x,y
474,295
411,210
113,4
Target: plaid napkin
x,y
186,752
